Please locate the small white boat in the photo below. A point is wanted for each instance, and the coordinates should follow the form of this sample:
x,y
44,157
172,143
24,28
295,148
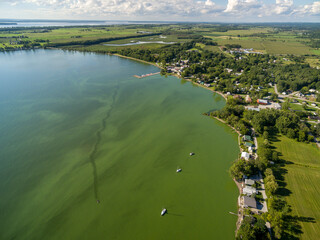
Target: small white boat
x,y
163,212
192,153
179,170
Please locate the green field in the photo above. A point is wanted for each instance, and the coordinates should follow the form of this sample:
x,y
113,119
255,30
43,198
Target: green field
x,y
302,178
262,39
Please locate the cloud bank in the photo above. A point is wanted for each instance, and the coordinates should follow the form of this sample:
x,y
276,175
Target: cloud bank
x,y
205,10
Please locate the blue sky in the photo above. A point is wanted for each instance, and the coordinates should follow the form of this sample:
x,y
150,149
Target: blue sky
x,y
165,10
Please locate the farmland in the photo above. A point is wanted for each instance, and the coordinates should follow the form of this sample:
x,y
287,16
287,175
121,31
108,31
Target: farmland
x,y
302,179
265,39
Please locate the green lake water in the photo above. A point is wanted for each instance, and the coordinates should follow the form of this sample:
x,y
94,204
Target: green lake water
x,y
76,128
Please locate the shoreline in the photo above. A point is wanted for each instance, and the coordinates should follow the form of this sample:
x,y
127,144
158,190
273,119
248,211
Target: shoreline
x,y
135,59
240,214
172,74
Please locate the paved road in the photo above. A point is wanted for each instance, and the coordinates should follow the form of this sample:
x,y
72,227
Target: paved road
x,y
264,195
290,96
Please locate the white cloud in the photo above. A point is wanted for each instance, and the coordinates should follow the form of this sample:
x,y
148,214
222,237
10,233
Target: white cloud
x,y
208,10
236,6
312,9
130,7
283,6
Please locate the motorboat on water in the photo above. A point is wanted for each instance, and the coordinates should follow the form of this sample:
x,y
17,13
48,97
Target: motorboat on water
x,y
179,170
163,212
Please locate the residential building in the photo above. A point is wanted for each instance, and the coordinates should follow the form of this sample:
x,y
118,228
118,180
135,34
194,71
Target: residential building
x,y
249,202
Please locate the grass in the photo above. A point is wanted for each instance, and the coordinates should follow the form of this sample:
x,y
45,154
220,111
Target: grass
x,y
302,179
316,51
299,107
284,45
262,39
314,62
271,90
241,32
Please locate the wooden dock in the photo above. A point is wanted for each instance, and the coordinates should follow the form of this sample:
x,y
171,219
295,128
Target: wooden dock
x,y
146,75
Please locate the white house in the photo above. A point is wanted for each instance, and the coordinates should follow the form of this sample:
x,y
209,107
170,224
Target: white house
x,y
249,182
249,190
245,155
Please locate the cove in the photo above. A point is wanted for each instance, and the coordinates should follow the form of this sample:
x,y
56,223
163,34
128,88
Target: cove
x,y
77,128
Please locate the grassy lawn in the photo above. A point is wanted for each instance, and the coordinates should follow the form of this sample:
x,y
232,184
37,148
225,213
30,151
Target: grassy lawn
x,y
299,107
303,178
271,90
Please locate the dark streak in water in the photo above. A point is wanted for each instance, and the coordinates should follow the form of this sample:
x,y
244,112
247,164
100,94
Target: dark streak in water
x,y
93,154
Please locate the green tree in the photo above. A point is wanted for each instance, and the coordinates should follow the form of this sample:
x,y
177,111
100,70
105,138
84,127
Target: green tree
x,y
291,133
304,106
239,168
265,135
302,136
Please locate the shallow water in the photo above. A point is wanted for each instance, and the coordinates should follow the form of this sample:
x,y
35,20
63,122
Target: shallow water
x,y
78,129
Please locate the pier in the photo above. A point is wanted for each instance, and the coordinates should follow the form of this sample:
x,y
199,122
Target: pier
x,y
146,75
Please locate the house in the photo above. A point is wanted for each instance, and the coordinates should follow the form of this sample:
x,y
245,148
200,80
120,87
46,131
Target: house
x,y
262,101
247,138
248,144
248,99
249,202
248,190
245,155
249,182
238,97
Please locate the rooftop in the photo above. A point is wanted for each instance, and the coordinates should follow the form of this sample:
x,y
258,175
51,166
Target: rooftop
x,y
249,202
247,138
249,182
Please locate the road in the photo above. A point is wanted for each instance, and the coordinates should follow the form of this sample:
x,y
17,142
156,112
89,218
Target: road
x,y
290,96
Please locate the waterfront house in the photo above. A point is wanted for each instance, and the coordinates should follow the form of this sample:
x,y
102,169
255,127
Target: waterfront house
x,y
249,202
245,156
247,138
249,182
248,190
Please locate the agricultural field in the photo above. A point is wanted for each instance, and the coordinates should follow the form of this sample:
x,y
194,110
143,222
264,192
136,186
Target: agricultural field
x,y
302,178
263,39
